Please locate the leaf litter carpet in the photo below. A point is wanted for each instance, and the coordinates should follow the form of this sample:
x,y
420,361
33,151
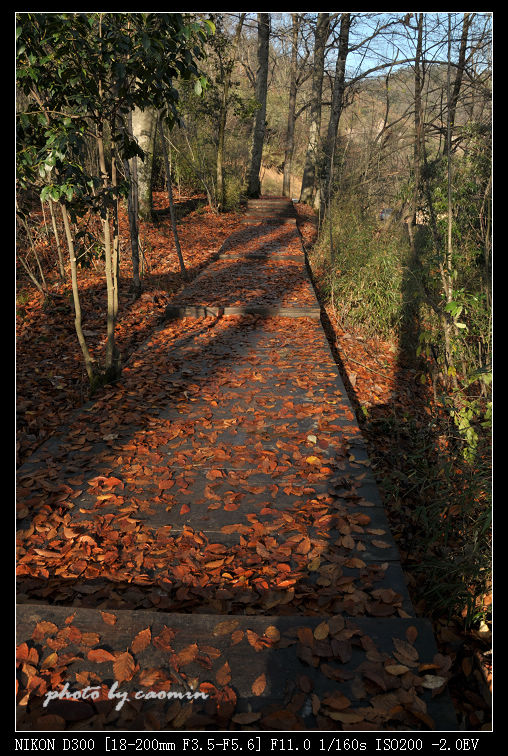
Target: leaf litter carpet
x,y
211,525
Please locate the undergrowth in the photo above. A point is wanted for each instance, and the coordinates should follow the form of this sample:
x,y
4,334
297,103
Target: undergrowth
x,y
431,451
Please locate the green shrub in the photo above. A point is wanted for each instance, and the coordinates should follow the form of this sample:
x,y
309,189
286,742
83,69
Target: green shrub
x,y
364,276
233,192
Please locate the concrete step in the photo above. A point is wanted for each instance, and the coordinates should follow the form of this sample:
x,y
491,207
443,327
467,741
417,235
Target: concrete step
x,y
227,672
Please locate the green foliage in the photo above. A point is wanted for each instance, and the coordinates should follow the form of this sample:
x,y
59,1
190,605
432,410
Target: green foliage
x,y
234,192
365,275
82,71
444,502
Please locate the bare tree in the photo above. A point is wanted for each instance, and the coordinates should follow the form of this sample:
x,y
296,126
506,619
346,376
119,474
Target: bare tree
x,y
339,84
254,184
309,171
290,133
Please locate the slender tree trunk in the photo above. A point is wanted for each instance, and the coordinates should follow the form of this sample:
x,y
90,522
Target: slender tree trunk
x,y
290,132
309,172
335,111
131,172
167,166
42,286
115,260
89,367
453,98
254,184
418,135
57,240
223,114
143,130
111,365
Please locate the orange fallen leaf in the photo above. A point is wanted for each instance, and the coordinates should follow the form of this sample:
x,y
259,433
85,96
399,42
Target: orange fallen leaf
x,y
259,685
124,667
223,675
100,655
141,641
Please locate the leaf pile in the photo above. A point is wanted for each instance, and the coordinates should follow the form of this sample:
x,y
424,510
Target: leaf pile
x,y
50,377
222,479
327,675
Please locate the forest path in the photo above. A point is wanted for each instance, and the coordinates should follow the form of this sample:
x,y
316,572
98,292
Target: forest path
x,y
211,523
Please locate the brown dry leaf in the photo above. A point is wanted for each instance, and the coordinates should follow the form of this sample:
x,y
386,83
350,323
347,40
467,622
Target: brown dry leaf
x,y
223,675
332,672
148,677
187,655
411,634
42,629
108,618
259,685
346,717
380,544
304,546
405,649
396,669
182,716
336,701
336,624
306,636
141,641
124,667
321,631
100,655
226,627
255,640
272,632
236,637
164,639
52,659
246,717
90,639
431,682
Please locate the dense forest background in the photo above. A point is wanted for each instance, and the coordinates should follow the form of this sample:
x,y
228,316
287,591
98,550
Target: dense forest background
x,y
378,125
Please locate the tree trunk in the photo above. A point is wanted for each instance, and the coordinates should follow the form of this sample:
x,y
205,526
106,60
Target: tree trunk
x,y
309,172
418,136
57,240
89,367
143,130
115,260
335,111
459,73
254,185
167,167
221,190
290,132
112,357
131,173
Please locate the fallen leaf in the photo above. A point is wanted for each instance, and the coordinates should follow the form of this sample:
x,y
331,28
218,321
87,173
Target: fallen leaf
x,y
225,627
124,667
223,675
321,631
259,685
141,641
100,655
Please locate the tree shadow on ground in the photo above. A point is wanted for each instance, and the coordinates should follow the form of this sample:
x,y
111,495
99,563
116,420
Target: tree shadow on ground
x,y
100,532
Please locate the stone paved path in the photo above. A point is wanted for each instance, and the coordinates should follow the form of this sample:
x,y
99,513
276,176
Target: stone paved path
x,y
212,524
